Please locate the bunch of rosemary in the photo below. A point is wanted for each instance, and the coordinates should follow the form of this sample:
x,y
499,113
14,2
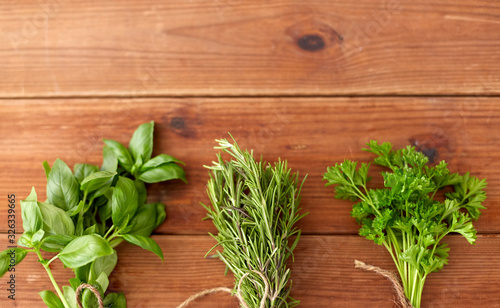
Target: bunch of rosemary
x,y
255,206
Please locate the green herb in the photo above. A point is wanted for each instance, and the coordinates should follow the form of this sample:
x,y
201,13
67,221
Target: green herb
x,y
89,212
405,216
255,207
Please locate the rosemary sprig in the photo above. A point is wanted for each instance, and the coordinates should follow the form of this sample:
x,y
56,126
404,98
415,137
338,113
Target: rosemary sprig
x,y
255,206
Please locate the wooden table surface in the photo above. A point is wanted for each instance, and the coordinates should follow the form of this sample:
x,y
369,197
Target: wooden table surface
x,y
307,81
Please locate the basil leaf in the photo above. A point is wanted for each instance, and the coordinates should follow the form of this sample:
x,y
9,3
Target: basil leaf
x,y
50,299
124,201
56,243
62,186
136,167
25,240
141,144
70,296
144,221
104,265
83,272
161,214
55,220
141,191
125,227
116,241
147,218
145,243
84,250
32,217
103,281
46,167
102,200
75,282
89,299
162,173
103,189
77,209
105,211
115,300
121,153
37,238
96,180
159,160
118,206
90,230
17,254
84,170
109,160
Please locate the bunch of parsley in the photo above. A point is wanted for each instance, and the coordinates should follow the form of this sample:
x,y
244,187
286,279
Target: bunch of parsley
x,y
91,210
405,216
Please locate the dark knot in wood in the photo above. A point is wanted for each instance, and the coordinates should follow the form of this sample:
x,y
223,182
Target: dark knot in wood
x,y
311,42
177,123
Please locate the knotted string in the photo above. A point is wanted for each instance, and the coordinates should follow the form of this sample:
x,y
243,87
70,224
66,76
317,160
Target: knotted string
x,y
238,293
403,301
203,293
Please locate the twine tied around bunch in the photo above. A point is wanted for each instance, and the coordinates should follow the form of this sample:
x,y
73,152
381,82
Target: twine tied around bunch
x,y
92,289
403,301
238,293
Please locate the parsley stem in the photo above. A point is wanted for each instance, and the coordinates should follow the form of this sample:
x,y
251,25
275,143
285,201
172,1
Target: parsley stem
x,y
414,286
405,243
433,194
419,298
366,198
439,240
388,246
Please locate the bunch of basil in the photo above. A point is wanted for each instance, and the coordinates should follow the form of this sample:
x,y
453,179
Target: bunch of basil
x,y
90,211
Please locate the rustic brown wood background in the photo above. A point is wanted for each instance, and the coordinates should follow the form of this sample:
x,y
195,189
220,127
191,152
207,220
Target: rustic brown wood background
x,y
307,81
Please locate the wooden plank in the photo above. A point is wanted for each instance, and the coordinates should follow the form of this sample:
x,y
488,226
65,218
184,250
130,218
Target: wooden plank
x,y
310,133
121,48
323,275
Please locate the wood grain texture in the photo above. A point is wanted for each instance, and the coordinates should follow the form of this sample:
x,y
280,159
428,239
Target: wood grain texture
x,y
68,48
323,275
311,133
